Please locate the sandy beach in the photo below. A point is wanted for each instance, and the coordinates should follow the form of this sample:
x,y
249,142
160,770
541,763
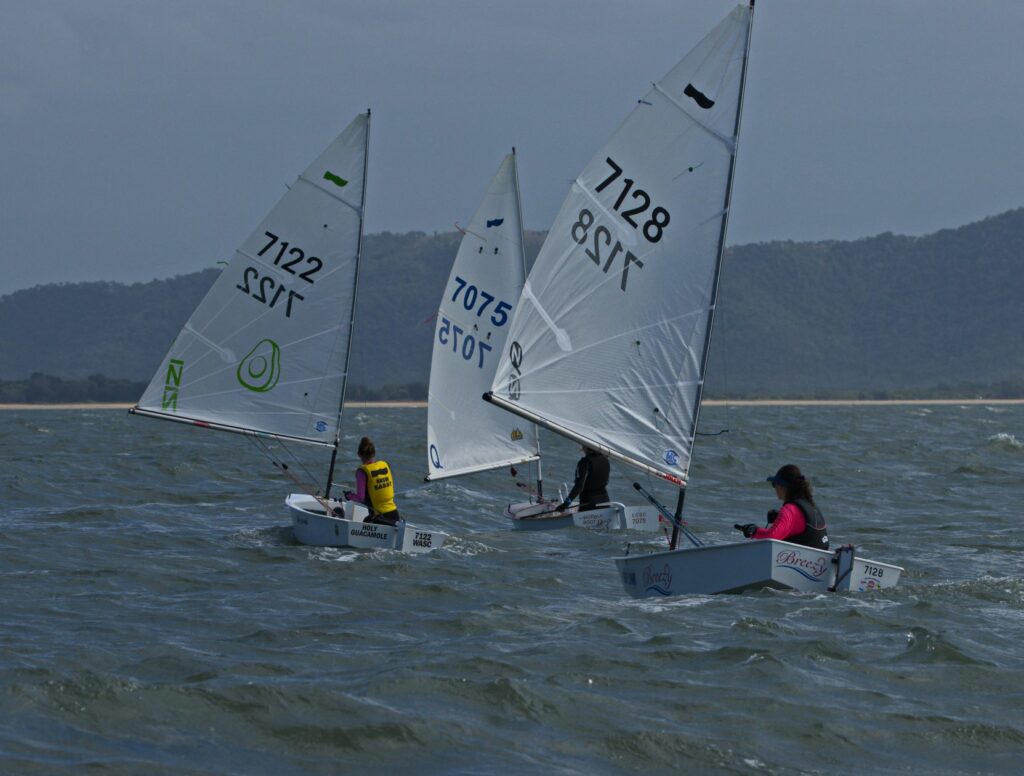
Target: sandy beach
x,y
708,403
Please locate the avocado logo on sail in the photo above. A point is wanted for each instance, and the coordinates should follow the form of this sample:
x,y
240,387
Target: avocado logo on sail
x,y
261,368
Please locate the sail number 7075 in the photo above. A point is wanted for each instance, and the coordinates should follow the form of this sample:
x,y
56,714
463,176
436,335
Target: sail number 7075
x,y
473,295
449,333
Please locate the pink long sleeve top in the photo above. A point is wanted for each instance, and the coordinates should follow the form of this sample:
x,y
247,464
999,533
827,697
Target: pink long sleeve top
x,y
360,492
790,522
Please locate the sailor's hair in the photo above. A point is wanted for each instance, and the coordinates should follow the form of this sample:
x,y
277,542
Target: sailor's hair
x,y
366,448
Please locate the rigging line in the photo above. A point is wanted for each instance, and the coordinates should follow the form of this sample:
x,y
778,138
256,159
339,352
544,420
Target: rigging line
x,y
661,521
467,230
284,468
298,461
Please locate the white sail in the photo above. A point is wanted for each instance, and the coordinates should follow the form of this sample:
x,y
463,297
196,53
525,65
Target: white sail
x,y
608,345
464,434
267,348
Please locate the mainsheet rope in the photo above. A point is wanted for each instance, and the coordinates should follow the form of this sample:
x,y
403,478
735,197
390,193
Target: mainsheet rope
x,y
263,447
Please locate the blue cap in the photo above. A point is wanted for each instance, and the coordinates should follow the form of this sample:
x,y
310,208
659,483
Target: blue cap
x,y
787,476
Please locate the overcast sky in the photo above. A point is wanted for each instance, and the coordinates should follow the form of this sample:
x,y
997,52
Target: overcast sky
x,y
146,139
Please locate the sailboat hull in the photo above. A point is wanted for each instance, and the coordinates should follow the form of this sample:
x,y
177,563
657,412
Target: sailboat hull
x,y
613,517
733,568
313,526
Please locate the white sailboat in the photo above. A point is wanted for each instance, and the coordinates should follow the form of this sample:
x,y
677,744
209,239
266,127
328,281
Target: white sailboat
x,y
266,352
465,435
609,344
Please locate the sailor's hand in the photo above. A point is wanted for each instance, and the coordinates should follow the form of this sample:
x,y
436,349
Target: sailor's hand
x,y
349,495
748,530
564,506
773,515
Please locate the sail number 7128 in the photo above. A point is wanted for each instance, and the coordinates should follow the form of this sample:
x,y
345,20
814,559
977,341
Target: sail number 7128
x,y
654,227
600,250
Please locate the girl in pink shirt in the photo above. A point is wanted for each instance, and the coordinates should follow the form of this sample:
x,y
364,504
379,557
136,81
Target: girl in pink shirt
x,y
799,521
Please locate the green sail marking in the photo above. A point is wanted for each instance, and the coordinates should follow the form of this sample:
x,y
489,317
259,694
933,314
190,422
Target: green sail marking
x,y
337,180
261,368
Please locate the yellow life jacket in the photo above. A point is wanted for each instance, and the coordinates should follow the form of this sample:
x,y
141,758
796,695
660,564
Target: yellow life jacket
x,y
380,487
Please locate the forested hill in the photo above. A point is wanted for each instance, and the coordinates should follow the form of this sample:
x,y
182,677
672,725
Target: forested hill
x,y
882,314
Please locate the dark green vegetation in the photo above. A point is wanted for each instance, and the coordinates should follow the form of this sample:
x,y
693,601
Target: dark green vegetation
x,y
883,317
45,389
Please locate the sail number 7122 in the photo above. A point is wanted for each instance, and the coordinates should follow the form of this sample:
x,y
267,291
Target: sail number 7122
x,y
268,290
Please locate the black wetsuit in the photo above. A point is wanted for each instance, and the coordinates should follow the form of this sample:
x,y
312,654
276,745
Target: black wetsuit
x,y
591,483
815,533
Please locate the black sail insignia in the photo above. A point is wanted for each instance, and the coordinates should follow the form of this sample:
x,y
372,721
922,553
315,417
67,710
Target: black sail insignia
x,y
698,97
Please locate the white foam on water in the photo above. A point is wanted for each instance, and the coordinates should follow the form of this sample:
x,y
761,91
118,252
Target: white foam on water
x,y
1006,440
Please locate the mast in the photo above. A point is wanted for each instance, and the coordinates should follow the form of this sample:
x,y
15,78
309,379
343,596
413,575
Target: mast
x,y
352,314
718,272
522,257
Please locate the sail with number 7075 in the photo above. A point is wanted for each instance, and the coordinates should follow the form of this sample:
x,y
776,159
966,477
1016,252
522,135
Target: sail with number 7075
x,y
464,435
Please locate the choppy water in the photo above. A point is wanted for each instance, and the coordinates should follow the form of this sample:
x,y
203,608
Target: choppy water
x,y
156,616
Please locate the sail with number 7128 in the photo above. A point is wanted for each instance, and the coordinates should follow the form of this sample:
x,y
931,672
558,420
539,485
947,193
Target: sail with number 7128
x,y
609,344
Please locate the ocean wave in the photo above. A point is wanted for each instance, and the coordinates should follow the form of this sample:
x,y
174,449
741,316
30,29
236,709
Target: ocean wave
x,y
1004,441
924,646
467,547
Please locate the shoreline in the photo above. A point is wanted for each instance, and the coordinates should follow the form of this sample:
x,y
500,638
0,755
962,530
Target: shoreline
x,y
708,403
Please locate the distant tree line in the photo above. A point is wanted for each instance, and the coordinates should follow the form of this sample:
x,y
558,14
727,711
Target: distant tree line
x,y
47,389
406,392
888,316
1002,389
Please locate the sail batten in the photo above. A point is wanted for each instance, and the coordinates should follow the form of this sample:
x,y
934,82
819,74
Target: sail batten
x,y
266,350
728,142
342,200
609,346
